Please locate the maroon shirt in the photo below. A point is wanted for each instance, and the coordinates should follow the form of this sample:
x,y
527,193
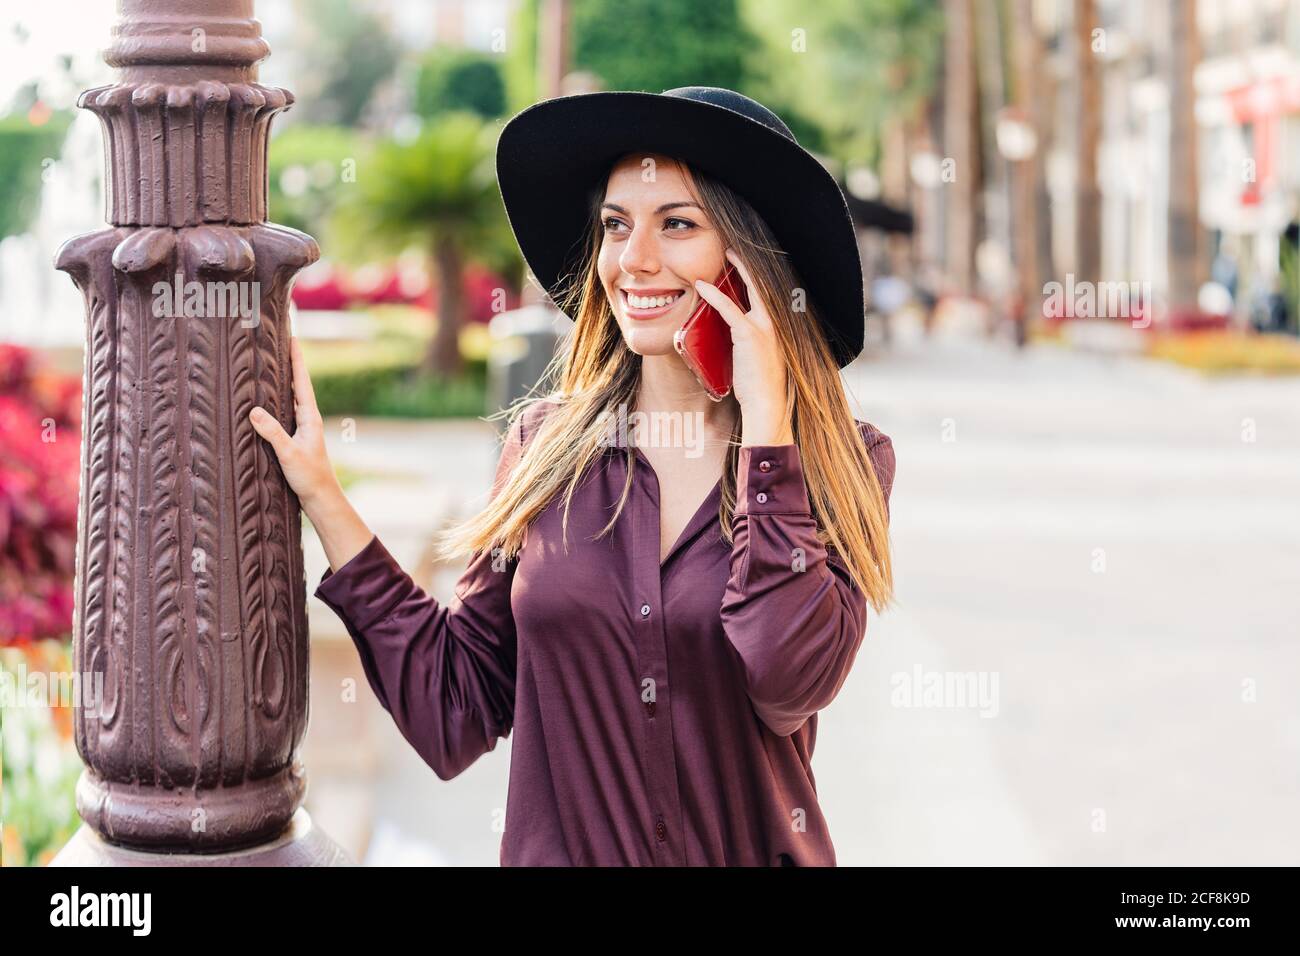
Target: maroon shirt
x,y
662,715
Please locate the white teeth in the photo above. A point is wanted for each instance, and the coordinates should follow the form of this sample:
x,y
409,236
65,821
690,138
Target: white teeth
x,y
650,302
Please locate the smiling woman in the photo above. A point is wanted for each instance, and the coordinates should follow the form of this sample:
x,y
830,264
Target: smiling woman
x,y
642,302
658,627
651,227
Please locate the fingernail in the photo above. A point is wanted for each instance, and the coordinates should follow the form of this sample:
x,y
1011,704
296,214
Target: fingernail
x,y
257,414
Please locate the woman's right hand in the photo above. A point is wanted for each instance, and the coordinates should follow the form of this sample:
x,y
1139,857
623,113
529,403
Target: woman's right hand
x,y
302,455
306,466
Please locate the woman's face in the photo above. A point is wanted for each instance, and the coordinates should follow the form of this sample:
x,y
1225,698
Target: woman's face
x,y
656,241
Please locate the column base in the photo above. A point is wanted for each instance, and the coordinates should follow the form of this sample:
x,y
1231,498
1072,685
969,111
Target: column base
x,y
301,844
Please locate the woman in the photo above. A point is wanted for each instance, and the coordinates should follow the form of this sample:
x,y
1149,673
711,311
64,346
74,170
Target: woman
x,y
658,623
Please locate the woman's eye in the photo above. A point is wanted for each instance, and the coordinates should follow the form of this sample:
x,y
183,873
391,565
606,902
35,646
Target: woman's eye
x,y
677,224
611,224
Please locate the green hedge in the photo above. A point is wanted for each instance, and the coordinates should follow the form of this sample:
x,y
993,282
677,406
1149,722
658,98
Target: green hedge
x,y
397,389
23,151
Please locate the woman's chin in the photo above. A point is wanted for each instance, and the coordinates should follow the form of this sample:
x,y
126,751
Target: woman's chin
x,y
647,341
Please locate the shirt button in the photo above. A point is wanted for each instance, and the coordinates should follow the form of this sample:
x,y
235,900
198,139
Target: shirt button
x,y
764,466
762,498
645,610
661,831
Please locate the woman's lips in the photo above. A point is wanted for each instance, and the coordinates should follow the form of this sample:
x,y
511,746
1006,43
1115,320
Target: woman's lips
x,y
652,304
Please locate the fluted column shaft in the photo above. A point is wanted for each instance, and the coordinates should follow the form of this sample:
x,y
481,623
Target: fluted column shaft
x,y
190,594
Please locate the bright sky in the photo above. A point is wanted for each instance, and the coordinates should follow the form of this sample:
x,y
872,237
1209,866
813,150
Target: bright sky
x,y
33,37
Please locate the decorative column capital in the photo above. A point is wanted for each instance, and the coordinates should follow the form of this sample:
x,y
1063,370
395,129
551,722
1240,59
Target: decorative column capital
x,y
186,126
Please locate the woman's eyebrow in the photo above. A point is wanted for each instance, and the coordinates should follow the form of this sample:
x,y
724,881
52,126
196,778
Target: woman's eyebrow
x,y
664,208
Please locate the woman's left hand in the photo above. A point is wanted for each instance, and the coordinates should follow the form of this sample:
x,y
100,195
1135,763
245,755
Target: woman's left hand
x,y
758,366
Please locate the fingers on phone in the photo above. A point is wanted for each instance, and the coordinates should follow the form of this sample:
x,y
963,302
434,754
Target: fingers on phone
x,y
718,299
734,258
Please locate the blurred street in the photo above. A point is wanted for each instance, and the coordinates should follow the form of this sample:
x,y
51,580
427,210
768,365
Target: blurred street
x,y
1121,731
1120,691
1078,225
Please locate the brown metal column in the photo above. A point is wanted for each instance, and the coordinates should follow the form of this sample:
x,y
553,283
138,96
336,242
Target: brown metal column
x,y
190,595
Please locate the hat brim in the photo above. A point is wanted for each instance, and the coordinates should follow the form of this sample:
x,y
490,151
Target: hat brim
x,y
551,155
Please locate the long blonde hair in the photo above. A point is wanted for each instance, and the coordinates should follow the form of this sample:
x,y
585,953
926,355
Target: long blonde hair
x,y
597,374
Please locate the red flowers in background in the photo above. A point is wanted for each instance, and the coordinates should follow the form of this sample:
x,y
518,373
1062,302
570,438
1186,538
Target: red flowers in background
x,y
40,438
330,286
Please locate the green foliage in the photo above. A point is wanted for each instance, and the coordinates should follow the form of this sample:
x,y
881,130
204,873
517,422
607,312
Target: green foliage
x,y
309,169
453,79
520,65
396,389
856,63
382,376
351,390
23,150
351,53
424,396
441,184
655,45
38,809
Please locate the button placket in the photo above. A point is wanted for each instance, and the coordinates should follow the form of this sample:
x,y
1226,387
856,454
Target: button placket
x,y
651,636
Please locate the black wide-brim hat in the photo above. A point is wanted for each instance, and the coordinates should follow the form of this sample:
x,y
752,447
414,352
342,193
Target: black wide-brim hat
x,y
552,155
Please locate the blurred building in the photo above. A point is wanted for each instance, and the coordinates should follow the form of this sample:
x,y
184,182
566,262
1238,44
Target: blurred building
x,y
1247,119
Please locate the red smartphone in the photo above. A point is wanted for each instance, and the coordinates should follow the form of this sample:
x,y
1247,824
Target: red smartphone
x,y
704,340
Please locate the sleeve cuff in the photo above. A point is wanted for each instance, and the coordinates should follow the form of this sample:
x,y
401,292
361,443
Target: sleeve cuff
x,y
770,480
367,587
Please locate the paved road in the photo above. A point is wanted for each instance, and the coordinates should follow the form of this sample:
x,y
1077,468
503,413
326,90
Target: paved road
x,y
1096,542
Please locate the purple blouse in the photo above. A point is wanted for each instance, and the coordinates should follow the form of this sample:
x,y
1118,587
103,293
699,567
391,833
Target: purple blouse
x,y
662,714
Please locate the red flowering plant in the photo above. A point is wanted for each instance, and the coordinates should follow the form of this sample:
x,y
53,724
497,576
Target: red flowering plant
x,y
40,415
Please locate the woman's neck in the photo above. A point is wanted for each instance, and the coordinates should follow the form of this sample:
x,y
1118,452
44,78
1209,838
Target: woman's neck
x,y
668,387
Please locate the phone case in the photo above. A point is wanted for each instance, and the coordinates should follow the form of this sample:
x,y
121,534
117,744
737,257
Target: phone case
x,y
704,340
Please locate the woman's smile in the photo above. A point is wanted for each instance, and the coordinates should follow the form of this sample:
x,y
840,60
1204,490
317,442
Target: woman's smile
x,y
643,304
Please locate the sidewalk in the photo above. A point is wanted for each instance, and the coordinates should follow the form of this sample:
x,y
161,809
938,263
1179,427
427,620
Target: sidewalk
x,y
1122,735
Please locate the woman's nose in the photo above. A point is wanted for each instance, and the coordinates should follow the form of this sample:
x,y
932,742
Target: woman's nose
x,y
640,253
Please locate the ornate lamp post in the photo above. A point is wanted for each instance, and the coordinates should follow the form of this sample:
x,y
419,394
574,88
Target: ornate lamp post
x,y
191,604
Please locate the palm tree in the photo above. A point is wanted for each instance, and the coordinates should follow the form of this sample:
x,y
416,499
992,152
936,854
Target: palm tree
x,y
438,191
